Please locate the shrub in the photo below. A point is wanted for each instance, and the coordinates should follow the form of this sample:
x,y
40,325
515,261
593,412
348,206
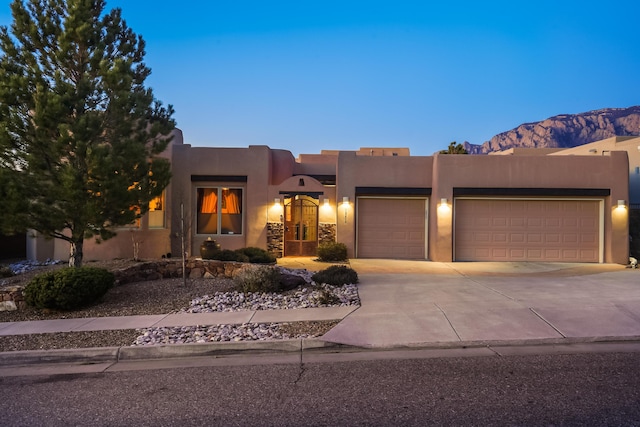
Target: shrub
x,y
68,288
229,255
257,255
333,251
5,271
336,275
258,278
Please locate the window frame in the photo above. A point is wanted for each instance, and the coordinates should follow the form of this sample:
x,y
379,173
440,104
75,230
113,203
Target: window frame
x,y
219,214
163,201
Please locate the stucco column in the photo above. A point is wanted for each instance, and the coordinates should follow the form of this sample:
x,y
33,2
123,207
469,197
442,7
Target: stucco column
x,y
345,179
441,208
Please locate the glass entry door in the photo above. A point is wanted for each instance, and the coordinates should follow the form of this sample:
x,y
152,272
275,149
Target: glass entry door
x,y
300,226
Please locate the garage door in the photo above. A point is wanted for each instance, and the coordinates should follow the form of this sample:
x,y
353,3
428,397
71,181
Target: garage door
x,y
391,228
527,230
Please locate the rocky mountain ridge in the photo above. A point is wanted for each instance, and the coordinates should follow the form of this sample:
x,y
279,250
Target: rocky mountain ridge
x,y
565,130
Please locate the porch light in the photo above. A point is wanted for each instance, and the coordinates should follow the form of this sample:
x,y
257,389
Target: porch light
x,y
345,200
276,201
444,202
326,201
622,204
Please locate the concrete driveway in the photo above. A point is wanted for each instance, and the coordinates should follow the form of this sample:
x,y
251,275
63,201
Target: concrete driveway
x,y
409,303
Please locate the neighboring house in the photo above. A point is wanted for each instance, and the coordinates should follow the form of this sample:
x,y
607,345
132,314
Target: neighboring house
x,y
630,144
384,203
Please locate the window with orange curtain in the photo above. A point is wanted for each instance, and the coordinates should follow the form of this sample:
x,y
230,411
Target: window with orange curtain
x,y
207,216
156,212
231,218
219,210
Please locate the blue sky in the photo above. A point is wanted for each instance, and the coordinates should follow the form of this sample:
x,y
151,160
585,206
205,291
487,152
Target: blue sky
x,y
312,75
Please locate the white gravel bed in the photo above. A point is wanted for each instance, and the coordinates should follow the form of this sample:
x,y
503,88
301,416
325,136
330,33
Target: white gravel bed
x,y
345,295
28,265
215,333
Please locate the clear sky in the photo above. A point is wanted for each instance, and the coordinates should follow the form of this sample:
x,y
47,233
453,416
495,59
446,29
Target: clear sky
x,y
310,75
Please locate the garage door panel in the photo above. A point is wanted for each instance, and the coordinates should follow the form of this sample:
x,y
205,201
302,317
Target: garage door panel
x,y
391,228
537,230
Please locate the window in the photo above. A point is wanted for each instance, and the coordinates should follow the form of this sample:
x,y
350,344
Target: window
x,y
219,210
156,212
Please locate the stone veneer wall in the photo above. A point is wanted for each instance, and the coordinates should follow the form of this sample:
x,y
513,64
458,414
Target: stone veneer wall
x,y
326,233
275,239
11,298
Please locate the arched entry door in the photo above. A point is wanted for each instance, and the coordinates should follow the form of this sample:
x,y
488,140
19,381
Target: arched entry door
x,y
300,226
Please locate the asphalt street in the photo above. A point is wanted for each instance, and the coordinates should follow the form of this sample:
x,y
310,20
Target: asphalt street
x,y
533,390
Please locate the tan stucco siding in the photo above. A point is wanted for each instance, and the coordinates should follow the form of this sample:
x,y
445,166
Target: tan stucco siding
x,y
580,172
253,162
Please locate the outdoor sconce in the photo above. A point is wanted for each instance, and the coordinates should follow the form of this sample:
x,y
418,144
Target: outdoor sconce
x,y
345,206
621,204
276,201
301,182
443,207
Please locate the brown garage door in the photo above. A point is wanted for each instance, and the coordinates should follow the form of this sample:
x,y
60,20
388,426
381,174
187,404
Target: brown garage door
x,y
391,228
527,230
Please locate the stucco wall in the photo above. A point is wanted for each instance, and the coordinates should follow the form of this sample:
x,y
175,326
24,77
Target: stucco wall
x,y
371,171
253,162
588,172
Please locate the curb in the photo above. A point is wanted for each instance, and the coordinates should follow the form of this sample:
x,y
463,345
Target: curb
x,y
90,356
167,351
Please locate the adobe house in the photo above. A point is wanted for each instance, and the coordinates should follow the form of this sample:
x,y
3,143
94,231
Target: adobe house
x,y
384,203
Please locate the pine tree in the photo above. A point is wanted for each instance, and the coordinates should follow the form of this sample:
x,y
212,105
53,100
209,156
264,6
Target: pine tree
x,y
80,133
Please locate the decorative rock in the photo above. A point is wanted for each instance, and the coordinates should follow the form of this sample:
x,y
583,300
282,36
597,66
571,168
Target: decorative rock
x,y
291,281
8,306
196,273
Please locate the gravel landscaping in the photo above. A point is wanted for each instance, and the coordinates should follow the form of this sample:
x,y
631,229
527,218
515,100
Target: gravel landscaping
x,y
172,296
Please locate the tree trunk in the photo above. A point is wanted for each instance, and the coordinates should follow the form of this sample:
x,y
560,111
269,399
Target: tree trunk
x,y
75,253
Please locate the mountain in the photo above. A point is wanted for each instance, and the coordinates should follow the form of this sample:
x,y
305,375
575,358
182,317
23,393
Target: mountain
x,y
565,130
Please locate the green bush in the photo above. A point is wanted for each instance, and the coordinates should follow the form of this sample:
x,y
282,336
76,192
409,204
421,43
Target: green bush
x,y
336,275
257,255
258,278
68,288
333,251
229,255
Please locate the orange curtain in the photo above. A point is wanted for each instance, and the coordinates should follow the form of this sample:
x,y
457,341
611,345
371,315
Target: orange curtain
x,y
209,201
232,202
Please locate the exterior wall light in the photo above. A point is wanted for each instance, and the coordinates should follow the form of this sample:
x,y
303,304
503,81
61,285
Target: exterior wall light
x,y
622,204
276,201
444,208
345,206
326,201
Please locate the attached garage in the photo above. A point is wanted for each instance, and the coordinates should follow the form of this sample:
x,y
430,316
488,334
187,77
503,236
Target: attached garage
x,y
391,227
555,230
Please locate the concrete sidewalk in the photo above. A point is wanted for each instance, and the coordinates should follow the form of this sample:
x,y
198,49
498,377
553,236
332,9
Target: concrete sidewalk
x,y
166,320
413,304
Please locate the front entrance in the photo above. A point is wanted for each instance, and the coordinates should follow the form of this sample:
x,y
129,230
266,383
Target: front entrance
x,y
300,226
